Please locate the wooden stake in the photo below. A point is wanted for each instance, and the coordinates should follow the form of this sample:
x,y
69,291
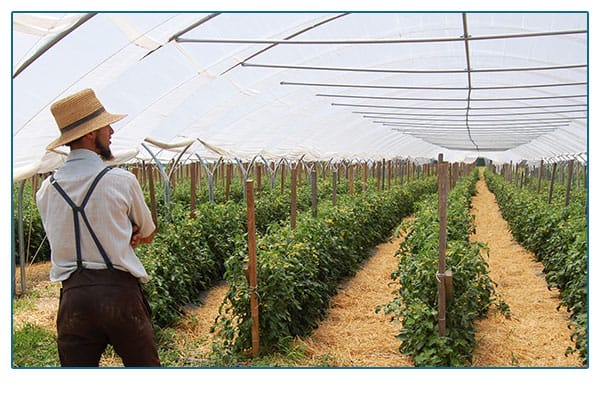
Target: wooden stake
x,y
540,172
351,179
258,172
443,217
283,171
228,177
570,178
294,196
551,189
313,184
334,190
150,174
252,279
389,174
364,177
192,190
378,173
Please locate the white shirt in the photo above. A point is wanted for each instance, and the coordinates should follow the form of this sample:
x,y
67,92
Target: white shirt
x,y
116,203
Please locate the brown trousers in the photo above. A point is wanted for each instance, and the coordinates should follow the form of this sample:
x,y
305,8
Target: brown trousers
x,y
101,307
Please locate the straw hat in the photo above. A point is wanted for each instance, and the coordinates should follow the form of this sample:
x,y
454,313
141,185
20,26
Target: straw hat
x,y
79,114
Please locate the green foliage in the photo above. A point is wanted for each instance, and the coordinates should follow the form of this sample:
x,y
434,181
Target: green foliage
x,y
416,302
187,257
557,235
33,229
299,270
34,347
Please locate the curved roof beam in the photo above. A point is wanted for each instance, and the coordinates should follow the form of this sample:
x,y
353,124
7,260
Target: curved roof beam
x,y
285,40
52,42
373,41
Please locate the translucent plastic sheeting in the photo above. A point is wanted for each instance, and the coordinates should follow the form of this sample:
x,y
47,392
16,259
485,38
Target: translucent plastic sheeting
x,y
318,85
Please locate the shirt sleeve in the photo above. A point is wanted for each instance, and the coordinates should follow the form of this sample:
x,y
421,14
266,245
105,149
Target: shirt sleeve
x,y
139,213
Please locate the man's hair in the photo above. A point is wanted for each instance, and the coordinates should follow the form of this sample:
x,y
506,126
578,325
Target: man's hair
x,y
71,143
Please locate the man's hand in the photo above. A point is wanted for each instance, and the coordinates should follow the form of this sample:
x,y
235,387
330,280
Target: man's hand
x,y
135,236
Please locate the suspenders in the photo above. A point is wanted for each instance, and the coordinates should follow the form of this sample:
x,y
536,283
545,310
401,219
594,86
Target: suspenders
x,y
79,210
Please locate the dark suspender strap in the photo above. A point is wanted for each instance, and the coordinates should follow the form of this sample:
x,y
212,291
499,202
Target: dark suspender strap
x,y
93,186
75,219
103,253
80,210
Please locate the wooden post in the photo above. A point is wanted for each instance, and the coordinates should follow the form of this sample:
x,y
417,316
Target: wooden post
x,y
228,173
313,184
540,172
401,171
351,179
378,172
364,177
282,179
150,174
551,189
258,172
442,210
448,286
294,196
335,181
252,279
192,190
389,174
455,169
570,178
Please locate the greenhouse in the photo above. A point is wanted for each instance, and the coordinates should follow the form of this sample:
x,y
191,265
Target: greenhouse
x,y
330,189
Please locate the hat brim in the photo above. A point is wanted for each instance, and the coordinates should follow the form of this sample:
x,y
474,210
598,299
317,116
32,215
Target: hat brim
x,y
100,121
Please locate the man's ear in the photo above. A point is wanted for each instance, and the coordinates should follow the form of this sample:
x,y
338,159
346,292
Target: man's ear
x,y
91,135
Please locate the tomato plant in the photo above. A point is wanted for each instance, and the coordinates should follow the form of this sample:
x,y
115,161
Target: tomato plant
x,y
300,269
416,301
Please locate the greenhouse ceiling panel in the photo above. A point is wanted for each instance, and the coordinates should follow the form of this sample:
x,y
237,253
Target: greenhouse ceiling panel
x,y
507,86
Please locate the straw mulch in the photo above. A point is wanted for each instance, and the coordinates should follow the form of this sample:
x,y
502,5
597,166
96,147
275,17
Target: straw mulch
x,y
194,338
42,312
353,334
536,335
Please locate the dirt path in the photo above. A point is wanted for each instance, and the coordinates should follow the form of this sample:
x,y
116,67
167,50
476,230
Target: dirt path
x,y
193,332
536,334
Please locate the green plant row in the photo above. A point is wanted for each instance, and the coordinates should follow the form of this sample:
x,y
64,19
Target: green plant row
x,y
299,270
33,229
187,255
276,208
557,235
578,193
416,301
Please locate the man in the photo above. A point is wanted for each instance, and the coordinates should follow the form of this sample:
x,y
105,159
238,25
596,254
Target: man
x,y
94,217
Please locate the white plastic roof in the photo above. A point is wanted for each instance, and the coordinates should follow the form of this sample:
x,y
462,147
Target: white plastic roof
x,y
365,85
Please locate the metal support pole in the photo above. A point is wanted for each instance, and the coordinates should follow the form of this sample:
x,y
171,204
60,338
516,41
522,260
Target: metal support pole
x,y
163,173
21,235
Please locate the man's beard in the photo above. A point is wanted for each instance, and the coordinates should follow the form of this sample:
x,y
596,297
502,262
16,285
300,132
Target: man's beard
x,y
105,152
